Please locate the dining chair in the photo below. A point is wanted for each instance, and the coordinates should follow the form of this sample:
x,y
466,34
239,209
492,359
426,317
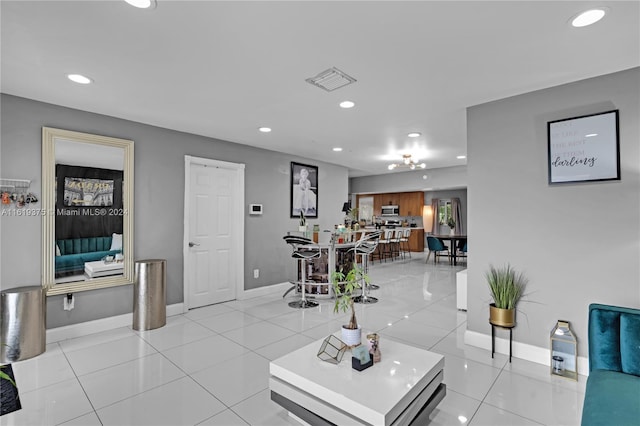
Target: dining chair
x,y
437,247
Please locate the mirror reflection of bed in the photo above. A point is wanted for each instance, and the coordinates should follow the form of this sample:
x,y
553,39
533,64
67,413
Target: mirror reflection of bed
x,y
89,211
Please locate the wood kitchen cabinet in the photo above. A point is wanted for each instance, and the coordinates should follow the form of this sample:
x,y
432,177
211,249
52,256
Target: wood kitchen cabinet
x,y
416,240
410,203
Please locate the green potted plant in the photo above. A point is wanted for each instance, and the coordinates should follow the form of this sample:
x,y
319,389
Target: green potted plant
x,y
507,287
9,401
344,286
451,223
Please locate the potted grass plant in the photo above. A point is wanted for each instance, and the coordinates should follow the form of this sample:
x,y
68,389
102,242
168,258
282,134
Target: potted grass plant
x,y
344,287
507,287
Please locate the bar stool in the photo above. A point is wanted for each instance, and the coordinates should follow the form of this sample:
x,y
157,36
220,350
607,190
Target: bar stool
x,y
404,242
364,247
384,243
302,252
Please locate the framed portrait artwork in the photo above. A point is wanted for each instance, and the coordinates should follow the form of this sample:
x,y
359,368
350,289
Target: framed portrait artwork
x,y
304,190
585,148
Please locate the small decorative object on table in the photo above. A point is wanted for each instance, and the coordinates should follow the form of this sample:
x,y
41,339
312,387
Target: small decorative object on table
x,y
332,350
361,358
374,347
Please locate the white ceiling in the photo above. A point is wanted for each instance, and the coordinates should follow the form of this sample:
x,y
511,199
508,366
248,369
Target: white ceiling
x,y
224,68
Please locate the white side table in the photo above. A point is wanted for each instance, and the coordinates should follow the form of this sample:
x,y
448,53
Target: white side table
x,y
461,290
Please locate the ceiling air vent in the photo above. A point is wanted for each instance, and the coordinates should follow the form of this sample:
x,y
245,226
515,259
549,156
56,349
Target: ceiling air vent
x,y
331,79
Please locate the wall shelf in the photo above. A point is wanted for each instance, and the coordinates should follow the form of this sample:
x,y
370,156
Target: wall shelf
x,y
21,185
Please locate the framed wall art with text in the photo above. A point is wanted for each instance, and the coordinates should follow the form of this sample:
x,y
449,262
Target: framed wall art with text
x,y
585,148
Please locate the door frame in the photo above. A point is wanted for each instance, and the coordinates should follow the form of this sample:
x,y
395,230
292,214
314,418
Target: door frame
x,y
238,223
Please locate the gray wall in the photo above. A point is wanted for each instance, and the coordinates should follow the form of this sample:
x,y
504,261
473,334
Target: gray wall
x,y
436,179
577,243
159,195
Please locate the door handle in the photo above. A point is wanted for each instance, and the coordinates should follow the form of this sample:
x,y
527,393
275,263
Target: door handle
x,y
191,244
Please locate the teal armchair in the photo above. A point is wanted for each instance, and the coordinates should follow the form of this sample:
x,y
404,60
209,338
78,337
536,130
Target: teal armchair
x,y
613,388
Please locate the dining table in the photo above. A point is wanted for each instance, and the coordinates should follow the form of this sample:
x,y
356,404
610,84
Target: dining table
x,y
454,238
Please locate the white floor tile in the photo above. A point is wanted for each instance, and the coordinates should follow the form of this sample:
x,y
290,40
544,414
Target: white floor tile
x,y
208,311
493,416
226,418
454,344
299,320
455,409
171,336
542,402
284,346
90,419
257,335
260,410
204,353
228,321
182,402
95,339
103,355
424,336
50,405
467,377
110,385
237,379
41,371
271,309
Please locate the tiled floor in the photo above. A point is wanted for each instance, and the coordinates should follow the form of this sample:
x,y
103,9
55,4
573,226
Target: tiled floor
x,y
210,366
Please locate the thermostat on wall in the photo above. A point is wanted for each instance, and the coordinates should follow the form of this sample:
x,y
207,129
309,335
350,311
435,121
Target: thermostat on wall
x,y
255,208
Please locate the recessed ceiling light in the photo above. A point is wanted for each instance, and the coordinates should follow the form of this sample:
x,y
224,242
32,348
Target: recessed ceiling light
x,y
79,78
142,4
337,149
347,104
414,134
461,157
588,17
265,129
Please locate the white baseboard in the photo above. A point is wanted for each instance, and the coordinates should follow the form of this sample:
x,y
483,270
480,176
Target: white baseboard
x,y
520,350
96,326
264,291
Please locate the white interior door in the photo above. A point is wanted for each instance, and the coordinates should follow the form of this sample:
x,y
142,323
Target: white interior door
x,y
213,236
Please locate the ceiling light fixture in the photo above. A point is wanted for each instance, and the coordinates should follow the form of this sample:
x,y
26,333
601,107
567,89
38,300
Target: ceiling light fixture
x,y
588,17
142,4
265,129
79,78
408,162
414,134
461,157
347,104
337,149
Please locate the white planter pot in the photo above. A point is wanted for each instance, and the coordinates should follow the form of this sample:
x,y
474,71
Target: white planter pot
x,y
351,337
302,228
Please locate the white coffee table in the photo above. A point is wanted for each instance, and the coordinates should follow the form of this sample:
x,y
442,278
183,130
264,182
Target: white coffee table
x,y
402,389
103,269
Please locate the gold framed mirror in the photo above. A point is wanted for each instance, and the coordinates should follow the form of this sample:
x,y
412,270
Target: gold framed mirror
x,y
87,195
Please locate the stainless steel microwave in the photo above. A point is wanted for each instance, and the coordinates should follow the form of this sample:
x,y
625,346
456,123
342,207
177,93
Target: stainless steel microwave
x,y
390,211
